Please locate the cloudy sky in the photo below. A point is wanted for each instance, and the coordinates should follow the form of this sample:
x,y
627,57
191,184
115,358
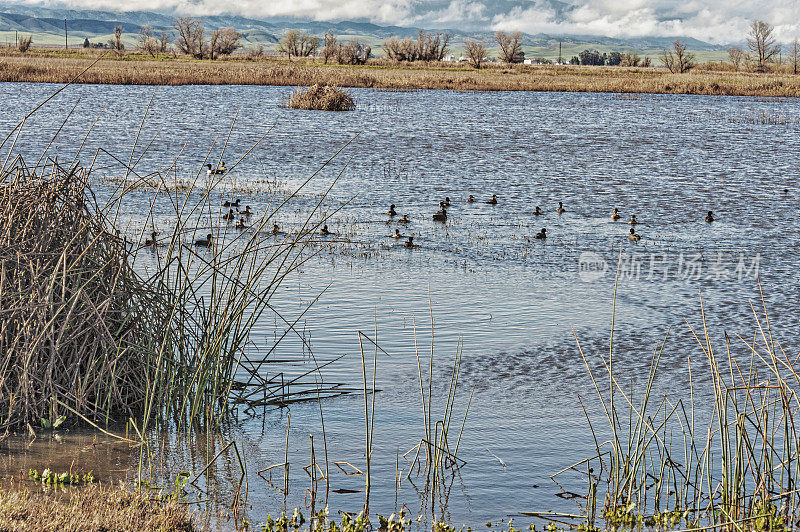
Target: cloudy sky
x,y
718,21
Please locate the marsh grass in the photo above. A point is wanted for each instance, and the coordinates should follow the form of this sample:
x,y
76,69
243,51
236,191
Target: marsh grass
x,y
321,98
662,468
111,508
59,67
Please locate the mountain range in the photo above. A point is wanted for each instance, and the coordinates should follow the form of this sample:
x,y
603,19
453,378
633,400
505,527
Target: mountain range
x,y
47,26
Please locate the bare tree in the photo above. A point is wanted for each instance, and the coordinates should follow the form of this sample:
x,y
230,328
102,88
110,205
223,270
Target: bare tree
x,y
678,60
794,54
476,51
353,52
297,43
510,46
761,42
116,40
736,56
163,42
330,48
629,60
24,43
148,43
432,46
400,49
224,41
191,36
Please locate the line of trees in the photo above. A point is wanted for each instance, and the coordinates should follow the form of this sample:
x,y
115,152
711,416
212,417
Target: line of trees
x,y
426,47
626,59
191,39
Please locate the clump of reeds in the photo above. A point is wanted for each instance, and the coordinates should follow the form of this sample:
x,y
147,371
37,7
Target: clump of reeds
x,y
321,98
77,322
739,471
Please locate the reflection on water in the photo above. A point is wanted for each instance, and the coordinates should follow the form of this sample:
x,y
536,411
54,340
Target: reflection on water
x,y
515,303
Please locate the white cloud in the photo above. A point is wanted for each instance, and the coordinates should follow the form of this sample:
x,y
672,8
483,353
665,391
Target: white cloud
x,y
718,21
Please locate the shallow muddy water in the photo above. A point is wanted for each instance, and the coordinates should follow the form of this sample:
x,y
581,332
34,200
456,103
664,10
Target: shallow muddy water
x,y
514,303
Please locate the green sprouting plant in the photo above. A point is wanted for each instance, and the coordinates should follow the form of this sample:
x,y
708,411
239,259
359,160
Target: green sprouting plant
x,y
768,517
49,476
180,481
53,425
284,523
441,526
395,522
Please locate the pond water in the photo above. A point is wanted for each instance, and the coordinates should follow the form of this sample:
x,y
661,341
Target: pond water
x,y
513,304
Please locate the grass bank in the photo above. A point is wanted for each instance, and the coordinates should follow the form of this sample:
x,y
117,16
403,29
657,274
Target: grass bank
x,y
110,508
133,69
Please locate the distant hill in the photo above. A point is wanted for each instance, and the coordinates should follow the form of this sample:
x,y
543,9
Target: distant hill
x,y
47,26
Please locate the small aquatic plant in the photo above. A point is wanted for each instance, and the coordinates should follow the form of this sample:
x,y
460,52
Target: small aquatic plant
x,y
49,476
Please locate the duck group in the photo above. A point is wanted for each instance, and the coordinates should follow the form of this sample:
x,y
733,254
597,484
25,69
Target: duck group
x,y
441,216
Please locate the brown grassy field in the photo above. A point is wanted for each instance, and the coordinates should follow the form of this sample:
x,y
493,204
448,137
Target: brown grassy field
x,y
133,69
90,509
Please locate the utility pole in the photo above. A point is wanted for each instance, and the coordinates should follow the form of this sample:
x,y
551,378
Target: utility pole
x,y
65,35
560,60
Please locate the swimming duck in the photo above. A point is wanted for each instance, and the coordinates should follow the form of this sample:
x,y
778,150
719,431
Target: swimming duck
x,y
396,234
229,216
633,221
204,242
616,215
471,199
561,209
240,224
392,212
633,237
446,201
152,240
537,212
246,211
231,204
541,235
710,217
216,171
440,216
404,220
275,229
492,201
409,243
324,230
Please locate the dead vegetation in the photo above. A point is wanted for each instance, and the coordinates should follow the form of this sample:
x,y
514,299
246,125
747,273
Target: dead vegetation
x,y
73,312
140,69
91,509
321,98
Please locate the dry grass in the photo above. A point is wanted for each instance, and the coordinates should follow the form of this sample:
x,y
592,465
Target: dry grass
x,y
321,98
138,70
93,508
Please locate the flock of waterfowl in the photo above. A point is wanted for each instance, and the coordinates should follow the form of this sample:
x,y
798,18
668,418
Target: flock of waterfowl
x,y
441,216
